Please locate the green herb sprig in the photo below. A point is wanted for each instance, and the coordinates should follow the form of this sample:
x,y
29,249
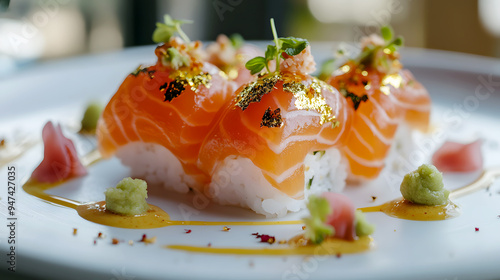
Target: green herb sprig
x,y
237,40
391,44
289,45
165,30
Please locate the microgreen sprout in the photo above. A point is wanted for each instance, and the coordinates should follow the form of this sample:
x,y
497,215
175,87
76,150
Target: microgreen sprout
x,y
165,30
289,45
392,45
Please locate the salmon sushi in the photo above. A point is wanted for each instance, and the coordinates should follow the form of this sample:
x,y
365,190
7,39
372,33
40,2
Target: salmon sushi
x,y
277,141
156,121
385,98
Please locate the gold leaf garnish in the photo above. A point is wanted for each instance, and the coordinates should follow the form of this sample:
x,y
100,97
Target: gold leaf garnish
x,y
272,118
254,91
183,79
394,80
311,98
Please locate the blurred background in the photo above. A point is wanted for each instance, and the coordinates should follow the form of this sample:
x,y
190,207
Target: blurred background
x,y
53,29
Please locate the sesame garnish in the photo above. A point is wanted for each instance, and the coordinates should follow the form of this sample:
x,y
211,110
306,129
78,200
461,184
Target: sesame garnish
x,y
272,118
477,229
282,242
75,230
115,241
130,242
303,227
226,229
187,231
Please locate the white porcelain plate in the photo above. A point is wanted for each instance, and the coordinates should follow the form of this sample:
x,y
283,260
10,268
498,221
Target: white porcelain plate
x,y
466,94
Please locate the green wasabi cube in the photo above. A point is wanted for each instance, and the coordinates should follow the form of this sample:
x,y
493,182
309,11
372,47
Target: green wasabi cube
x,y
425,186
128,197
91,116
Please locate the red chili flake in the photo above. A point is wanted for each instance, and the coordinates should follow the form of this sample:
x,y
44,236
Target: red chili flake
x,y
226,228
115,241
144,237
339,255
267,238
257,234
477,229
75,230
99,235
303,227
187,230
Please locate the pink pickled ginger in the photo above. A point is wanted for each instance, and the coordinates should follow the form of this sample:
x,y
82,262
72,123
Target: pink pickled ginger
x,y
342,217
60,160
457,157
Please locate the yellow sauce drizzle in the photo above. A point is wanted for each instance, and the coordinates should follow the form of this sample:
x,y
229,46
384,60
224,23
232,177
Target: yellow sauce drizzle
x,y
331,246
404,209
154,218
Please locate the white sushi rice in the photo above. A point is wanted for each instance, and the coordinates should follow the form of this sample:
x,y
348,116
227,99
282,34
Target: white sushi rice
x,y
411,148
155,164
237,181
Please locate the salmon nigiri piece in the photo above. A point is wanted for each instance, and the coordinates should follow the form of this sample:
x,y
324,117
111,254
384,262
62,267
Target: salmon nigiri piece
x,y
384,96
375,121
257,153
163,112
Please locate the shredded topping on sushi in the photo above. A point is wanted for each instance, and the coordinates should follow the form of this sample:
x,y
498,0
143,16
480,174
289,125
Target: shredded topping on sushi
x,y
272,118
381,52
182,57
302,62
224,54
177,54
